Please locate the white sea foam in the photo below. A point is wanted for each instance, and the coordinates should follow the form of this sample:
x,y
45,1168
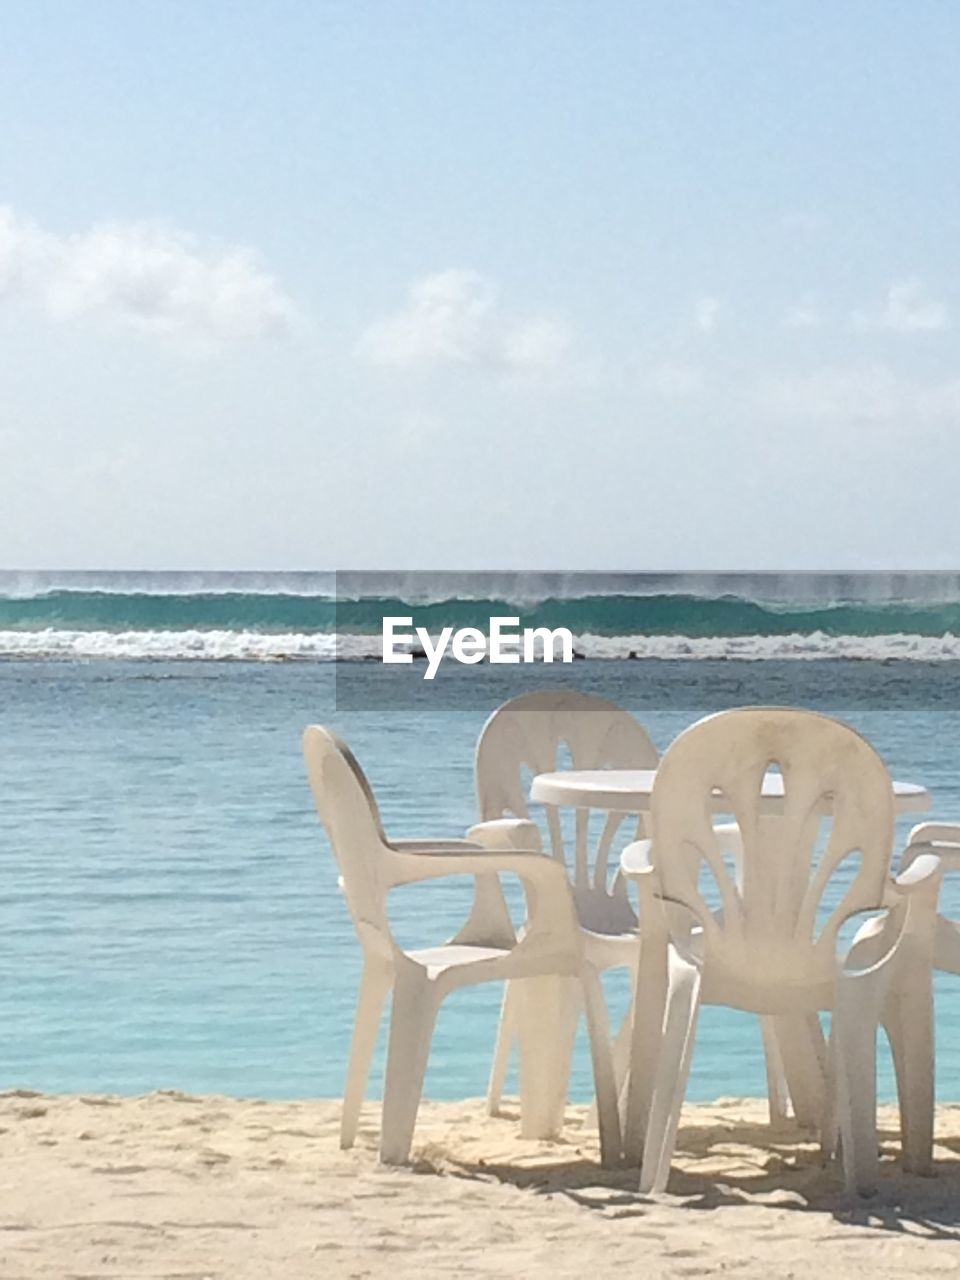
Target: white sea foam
x,y
257,646
907,648
246,646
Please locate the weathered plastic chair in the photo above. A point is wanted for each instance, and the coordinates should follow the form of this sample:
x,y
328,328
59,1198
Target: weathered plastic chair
x,y
767,949
943,840
485,950
528,734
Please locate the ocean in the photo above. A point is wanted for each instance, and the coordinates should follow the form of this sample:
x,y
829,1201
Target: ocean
x,y
169,911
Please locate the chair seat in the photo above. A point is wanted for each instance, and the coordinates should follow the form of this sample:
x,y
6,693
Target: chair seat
x,y
601,912
612,950
437,959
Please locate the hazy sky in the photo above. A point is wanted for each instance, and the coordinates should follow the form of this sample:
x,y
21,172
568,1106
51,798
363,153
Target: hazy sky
x,y
479,284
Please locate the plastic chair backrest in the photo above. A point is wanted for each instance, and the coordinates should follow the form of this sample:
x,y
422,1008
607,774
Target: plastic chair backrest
x,y
766,932
351,819
530,732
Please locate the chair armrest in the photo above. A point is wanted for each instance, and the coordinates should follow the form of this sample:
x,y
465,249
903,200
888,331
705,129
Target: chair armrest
x,y
906,922
635,859
921,873
939,838
471,860
433,846
489,923
930,832
657,911
874,944
551,916
504,834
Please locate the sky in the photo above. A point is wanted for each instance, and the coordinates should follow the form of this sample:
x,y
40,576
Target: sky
x,y
479,284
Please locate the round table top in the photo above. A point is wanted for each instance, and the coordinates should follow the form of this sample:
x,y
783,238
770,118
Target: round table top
x,y
628,791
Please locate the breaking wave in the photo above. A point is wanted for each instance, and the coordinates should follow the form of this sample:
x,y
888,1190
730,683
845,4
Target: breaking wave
x,y
320,617
258,646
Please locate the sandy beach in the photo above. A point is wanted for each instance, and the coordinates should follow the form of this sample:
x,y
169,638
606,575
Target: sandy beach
x,y
188,1188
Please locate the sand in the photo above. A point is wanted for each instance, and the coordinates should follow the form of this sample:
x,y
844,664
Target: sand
x,y
189,1188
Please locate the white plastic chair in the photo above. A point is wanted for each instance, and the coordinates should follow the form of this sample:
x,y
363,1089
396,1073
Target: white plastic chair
x,y
528,733
943,840
485,949
767,949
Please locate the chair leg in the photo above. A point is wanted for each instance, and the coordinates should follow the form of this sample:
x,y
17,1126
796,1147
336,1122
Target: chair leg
x,y
546,1030
604,1075
830,1128
621,1063
673,1070
802,1052
374,986
777,1095
908,1018
855,1019
411,1030
621,1050
506,1034
646,1035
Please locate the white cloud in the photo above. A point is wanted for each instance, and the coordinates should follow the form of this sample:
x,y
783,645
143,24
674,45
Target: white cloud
x,y
455,317
705,314
872,396
803,315
536,346
907,309
153,277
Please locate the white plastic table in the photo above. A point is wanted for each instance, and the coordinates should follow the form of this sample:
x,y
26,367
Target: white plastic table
x,y
629,791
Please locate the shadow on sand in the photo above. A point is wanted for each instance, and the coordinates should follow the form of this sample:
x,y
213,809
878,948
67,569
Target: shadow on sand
x,y
731,1162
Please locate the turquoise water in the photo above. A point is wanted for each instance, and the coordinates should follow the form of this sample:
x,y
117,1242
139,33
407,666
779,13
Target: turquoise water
x,y
169,915
296,616
656,614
